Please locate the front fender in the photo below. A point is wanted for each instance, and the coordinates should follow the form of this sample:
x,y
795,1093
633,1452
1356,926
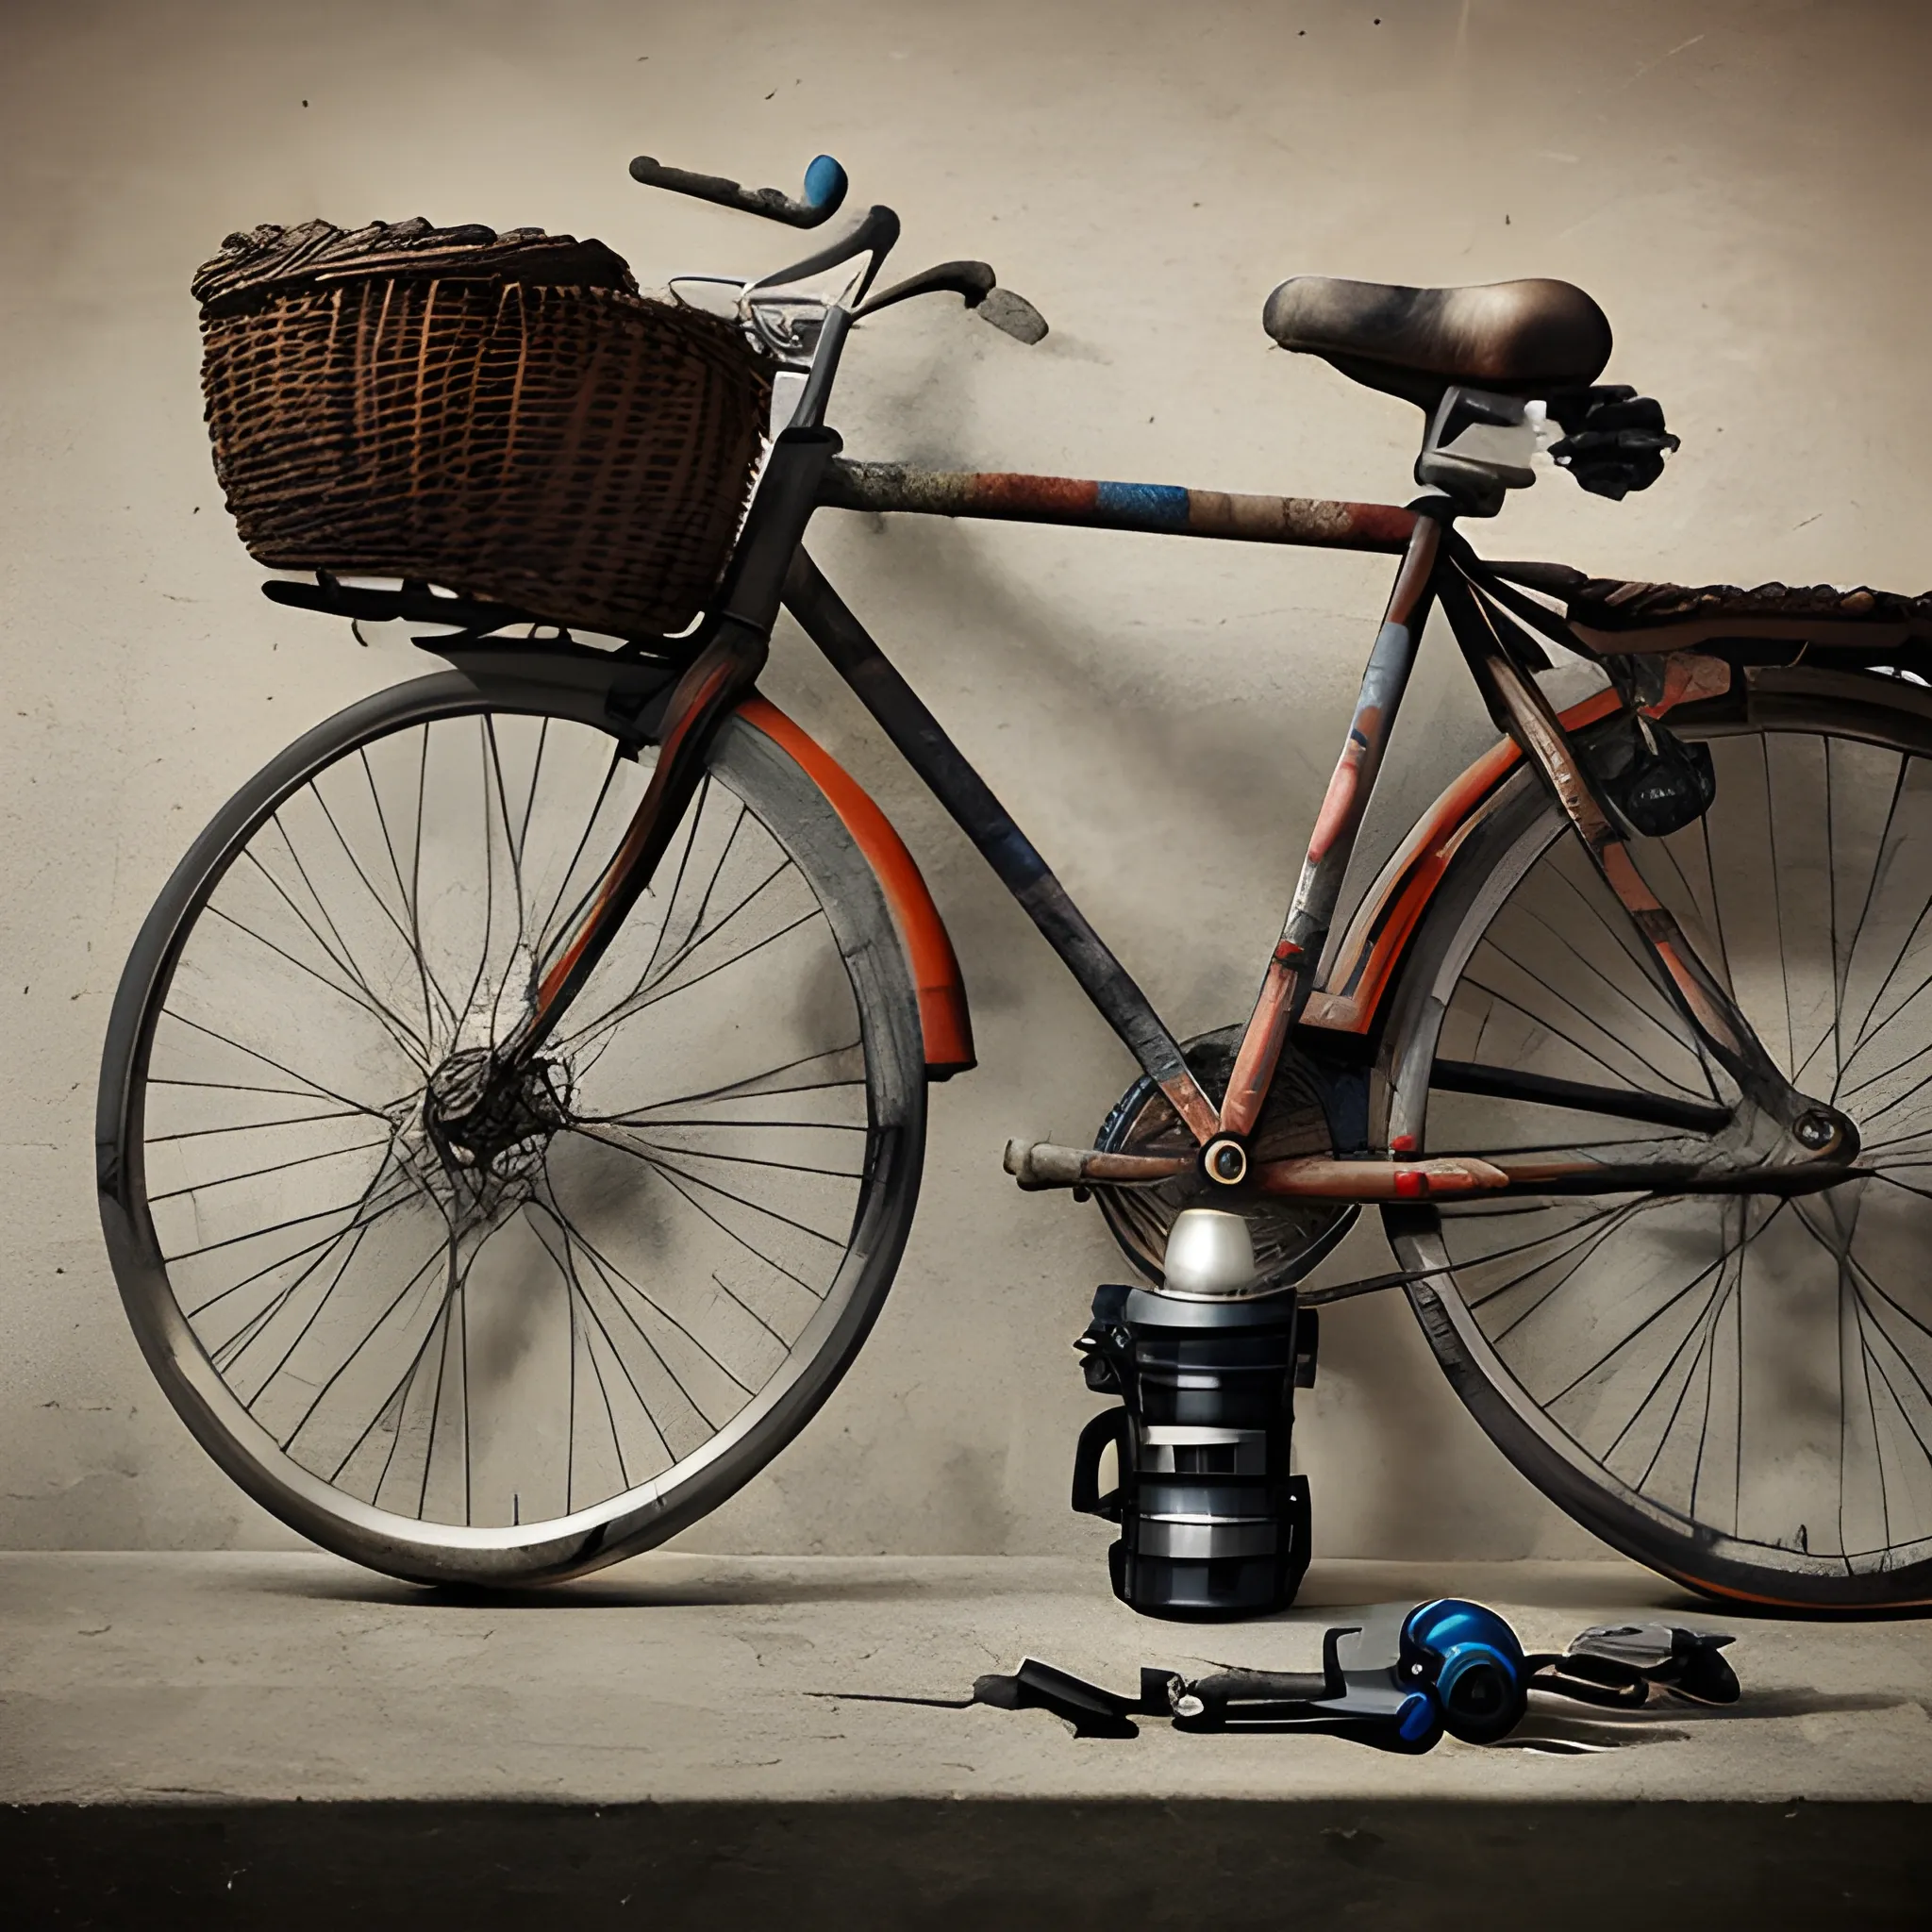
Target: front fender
x,y
944,1020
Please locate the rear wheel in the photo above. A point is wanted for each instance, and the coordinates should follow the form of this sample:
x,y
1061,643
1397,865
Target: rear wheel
x,y
522,1352
1737,1391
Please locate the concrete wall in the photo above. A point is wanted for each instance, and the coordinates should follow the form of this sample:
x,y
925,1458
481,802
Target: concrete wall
x,y
1742,186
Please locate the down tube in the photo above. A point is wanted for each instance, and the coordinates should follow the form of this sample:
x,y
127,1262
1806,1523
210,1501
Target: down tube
x,y
1290,971
952,780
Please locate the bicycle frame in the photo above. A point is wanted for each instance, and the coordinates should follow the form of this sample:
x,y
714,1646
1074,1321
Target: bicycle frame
x,y
1809,1145
1434,567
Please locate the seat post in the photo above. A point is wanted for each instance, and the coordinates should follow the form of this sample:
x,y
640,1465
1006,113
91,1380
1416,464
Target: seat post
x,y
1478,447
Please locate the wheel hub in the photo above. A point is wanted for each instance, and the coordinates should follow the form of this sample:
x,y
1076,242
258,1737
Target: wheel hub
x,y
1824,1130
1289,1236
485,1114
1224,1161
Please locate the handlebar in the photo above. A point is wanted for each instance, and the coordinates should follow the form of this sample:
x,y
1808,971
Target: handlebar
x,y
874,235
977,285
825,190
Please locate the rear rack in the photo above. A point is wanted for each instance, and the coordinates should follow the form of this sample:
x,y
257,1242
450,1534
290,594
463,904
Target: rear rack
x,y
1609,604
1617,614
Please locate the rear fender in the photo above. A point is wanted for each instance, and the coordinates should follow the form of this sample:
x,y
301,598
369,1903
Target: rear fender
x,y
1357,972
943,1018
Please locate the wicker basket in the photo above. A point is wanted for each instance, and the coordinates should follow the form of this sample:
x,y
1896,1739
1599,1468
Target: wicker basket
x,y
504,416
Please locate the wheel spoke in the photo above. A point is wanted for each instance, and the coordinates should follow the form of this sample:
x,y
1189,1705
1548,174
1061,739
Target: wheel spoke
x,y
643,995
537,1296
1673,1349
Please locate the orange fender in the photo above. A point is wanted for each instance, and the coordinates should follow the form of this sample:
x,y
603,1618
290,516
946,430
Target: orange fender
x,y
944,1021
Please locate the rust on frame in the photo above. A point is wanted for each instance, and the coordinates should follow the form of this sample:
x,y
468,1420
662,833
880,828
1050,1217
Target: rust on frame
x,y
1045,499
1285,983
1352,988
1322,1179
1161,508
1344,784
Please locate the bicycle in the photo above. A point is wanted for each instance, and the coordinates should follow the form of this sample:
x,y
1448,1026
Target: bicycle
x,y
473,1266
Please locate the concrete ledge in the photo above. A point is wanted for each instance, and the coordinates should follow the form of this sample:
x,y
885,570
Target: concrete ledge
x,y
970,1866
288,1740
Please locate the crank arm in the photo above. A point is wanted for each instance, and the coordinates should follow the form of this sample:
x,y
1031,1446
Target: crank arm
x,y
1037,1165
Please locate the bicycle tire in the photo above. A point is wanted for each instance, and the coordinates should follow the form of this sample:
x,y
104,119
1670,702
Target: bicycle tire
x,y
554,1187
1523,1344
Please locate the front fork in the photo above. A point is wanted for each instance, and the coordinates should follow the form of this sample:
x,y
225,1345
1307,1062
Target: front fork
x,y
718,679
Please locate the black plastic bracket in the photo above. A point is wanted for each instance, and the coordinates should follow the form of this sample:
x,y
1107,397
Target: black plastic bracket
x,y
1615,440
413,601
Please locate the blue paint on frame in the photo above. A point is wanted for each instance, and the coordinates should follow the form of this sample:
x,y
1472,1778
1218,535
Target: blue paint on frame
x,y
1143,506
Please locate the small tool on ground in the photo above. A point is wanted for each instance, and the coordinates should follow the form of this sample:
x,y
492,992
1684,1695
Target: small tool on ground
x,y
1398,1681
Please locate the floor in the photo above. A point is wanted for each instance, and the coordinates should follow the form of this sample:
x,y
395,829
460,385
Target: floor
x,y
238,1739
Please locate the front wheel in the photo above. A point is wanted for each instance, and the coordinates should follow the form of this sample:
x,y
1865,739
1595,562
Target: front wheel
x,y
1735,1389
522,1357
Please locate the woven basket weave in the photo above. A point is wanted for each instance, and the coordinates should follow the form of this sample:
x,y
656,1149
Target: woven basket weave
x,y
502,416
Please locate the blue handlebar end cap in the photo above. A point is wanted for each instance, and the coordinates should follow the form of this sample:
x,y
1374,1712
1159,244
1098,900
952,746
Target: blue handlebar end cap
x,y
824,184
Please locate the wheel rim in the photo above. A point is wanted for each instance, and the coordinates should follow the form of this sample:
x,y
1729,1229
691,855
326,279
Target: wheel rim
x,y
1742,1380
654,1253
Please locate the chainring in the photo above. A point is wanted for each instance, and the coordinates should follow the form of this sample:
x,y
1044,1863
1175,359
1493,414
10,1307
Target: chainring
x,y
1289,1236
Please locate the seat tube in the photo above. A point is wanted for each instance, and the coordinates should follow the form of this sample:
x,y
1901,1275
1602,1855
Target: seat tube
x,y
1291,966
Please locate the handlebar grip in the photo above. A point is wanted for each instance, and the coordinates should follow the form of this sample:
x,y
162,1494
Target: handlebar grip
x,y
825,190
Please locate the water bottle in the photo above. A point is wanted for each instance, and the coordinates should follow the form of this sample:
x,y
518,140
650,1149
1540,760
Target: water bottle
x,y
1212,1524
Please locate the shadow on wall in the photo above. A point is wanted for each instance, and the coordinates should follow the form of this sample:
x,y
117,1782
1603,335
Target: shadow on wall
x,y
1165,702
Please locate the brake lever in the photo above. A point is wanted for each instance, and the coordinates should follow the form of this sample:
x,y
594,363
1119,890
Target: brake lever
x,y
875,231
977,285
825,190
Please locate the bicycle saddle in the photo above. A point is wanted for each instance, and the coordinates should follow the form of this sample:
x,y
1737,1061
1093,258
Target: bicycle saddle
x,y
1526,338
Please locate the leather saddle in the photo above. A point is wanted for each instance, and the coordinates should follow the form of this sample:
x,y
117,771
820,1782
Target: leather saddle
x,y
1527,338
